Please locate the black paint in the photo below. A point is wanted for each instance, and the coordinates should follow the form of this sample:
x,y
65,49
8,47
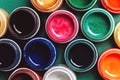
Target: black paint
x,y
7,55
22,76
81,55
22,22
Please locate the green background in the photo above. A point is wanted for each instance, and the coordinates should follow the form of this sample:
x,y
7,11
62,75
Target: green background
x,y
10,5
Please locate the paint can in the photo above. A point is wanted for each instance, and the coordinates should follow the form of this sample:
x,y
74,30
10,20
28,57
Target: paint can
x,y
116,34
97,25
24,23
24,74
81,55
62,26
40,53
10,56
81,5
47,5
59,73
109,64
3,22
111,6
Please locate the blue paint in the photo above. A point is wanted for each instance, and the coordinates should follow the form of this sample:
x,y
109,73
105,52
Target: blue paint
x,y
40,53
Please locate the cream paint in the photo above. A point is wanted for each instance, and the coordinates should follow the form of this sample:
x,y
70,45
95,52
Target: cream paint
x,y
117,34
3,22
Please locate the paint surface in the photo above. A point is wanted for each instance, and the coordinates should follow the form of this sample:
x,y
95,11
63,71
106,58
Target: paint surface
x,y
58,75
113,4
80,3
22,22
81,55
39,54
117,34
60,27
0,24
110,66
96,26
46,3
3,22
7,55
22,76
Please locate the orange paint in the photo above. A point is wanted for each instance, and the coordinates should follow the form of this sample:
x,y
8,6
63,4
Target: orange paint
x,y
112,5
46,5
109,64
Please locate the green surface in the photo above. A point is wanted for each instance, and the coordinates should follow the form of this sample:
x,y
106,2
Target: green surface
x,y
9,5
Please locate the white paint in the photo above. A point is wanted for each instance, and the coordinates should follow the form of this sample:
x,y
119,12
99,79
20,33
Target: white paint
x,y
59,73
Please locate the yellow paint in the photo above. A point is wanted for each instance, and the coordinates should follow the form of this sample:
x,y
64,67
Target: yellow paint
x,y
117,34
46,3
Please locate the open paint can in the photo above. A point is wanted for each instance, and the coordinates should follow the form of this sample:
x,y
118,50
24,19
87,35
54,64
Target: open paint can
x,y
47,5
97,25
10,54
62,26
24,23
109,64
3,22
24,74
40,53
59,73
81,55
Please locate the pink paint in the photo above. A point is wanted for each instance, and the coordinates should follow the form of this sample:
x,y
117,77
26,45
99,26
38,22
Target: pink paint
x,y
62,26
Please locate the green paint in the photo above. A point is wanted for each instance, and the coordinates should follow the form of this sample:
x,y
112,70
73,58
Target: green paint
x,y
97,25
81,4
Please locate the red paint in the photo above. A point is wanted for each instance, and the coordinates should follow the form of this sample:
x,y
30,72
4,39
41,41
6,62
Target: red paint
x,y
62,26
109,64
112,5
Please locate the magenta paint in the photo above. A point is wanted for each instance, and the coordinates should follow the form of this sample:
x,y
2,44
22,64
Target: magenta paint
x,y
24,74
62,26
